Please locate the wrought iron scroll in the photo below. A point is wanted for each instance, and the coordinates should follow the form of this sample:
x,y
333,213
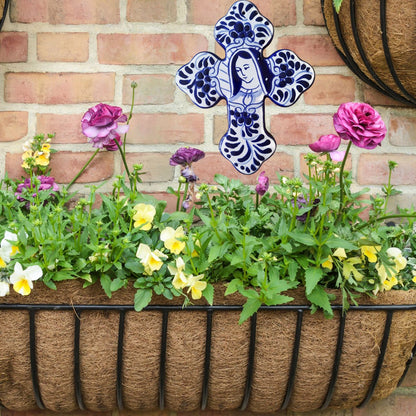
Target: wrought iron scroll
x,y
210,312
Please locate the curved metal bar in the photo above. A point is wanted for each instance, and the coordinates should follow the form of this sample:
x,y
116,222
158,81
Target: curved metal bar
x,y
162,370
33,362
380,360
337,359
364,57
77,372
294,363
387,54
207,362
3,17
345,53
119,386
250,365
408,363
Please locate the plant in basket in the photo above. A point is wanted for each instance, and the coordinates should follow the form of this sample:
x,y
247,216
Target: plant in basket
x,y
314,232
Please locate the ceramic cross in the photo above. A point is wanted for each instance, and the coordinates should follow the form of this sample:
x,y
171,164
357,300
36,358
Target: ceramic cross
x,y
244,78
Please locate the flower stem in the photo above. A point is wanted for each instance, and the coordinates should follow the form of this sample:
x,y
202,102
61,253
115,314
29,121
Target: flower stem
x,y
341,183
83,169
123,158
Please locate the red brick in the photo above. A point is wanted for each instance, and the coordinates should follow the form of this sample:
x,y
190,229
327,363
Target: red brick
x,y
65,165
282,13
312,13
373,169
402,131
13,47
59,88
331,89
151,89
374,97
75,12
13,125
317,50
300,129
136,49
65,47
166,128
213,163
67,127
220,127
395,405
163,11
29,11
155,165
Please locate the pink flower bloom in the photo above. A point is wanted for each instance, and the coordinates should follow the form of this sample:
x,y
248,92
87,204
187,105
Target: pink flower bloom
x,y
337,155
112,147
263,184
361,124
45,183
100,125
327,143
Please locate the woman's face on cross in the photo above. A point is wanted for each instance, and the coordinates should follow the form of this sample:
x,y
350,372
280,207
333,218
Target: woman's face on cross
x,y
246,70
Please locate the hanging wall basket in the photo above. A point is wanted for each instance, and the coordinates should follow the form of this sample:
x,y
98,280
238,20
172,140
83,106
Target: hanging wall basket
x,y
75,348
377,40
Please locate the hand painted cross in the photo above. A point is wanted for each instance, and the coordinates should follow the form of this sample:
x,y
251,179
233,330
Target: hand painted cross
x,y
244,78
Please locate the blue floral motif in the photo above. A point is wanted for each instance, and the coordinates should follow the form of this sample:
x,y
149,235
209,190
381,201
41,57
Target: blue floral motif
x,y
244,78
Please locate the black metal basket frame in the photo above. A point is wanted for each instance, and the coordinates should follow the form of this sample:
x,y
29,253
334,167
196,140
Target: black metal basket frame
x,y
344,52
32,310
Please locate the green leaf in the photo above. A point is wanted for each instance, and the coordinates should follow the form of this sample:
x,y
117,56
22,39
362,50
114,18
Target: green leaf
x,y
208,293
250,308
142,298
312,276
117,284
335,242
278,299
337,5
233,286
306,239
320,298
293,270
105,281
134,265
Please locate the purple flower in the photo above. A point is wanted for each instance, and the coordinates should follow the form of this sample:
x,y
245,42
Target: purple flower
x,y
337,155
327,143
301,202
112,146
189,174
185,156
361,124
45,183
100,125
263,184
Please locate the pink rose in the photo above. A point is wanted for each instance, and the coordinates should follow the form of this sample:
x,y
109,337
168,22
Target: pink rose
x,y
327,143
361,124
100,125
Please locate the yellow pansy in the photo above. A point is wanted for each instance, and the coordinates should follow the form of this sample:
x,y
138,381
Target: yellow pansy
x,y
328,263
173,239
389,283
340,253
370,252
4,288
7,248
151,260
180,280
144,216
396,254
196,286
22,280
348,268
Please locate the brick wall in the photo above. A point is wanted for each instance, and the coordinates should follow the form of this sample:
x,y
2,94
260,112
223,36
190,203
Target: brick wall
x,y
59,57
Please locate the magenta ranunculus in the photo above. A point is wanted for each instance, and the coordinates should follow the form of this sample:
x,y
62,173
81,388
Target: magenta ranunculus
x,y
361,124
100,125
112,147
185,156
327,143
46,183
263,184
337,155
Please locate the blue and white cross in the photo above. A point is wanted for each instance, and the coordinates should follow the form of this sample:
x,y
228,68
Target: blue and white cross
x,y
244,78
